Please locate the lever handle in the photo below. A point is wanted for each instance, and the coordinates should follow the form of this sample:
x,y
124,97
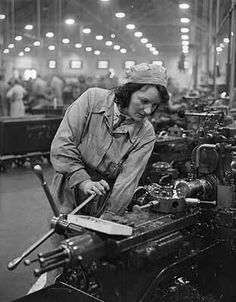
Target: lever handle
x,y
14,263
39,173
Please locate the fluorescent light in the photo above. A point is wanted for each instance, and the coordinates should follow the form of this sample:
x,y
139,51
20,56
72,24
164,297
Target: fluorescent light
x,y
88,48
78,45
138,34
18,38
36,43
86,30
185,37
99,37
49,34
21,54
27,49
144,40
184,20
6,50
116,47
51,47
184,30
2,16
65,41
113,36
184,5
123,50
156,52
11,45
226,40
109,43
69,21
185,42
97,52
130,26
120,15
29,26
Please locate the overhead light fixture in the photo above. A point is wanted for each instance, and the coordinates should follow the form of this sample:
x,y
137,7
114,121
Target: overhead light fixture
x,y
138,34
21,54
184,5
99,37
152,48
6,50
185,50
18,38
29,27
11,45
78,45
27,49
86,30
185,37
113,36
2,16
109,43
226,40
49,34
88,48
144,40
51,47
185,42
70,21
184,30
36,43
185,47
130,26
97,52
184,20
116,47
148,45
65,41
156,52
219,49
120,15
123,50
104,0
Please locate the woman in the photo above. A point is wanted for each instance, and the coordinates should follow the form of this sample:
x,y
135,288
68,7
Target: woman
x,y
104,142
16,95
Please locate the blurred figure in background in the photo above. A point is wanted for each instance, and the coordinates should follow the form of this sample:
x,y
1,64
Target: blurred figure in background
x,y
15,96
40,97
58,85
3,97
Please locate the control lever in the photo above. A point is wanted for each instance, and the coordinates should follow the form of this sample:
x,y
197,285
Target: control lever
x,y
14,263
39,173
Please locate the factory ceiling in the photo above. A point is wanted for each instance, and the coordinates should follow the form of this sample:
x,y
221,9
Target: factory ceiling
x,y
157,20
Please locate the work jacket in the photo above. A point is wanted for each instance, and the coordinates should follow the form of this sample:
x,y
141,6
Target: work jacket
x,y
85,147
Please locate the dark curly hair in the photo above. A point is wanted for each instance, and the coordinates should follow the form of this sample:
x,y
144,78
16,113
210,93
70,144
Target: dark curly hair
x,y
123,93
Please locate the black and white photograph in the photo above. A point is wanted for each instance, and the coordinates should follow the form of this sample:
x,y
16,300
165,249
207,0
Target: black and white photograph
x,y
118,150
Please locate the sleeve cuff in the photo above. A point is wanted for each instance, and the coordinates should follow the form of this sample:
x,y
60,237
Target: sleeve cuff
x,y
78,177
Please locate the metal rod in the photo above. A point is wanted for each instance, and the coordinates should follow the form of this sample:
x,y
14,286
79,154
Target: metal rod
x,y
83,204
14,263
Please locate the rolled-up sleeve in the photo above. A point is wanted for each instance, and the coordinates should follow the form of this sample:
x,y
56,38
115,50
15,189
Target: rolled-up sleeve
x,y
128,179
65,156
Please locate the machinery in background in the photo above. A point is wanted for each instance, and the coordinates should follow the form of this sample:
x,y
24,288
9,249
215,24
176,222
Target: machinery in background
x,y
26,138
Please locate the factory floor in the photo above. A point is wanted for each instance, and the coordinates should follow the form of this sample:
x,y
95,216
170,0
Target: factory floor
x,y
23,220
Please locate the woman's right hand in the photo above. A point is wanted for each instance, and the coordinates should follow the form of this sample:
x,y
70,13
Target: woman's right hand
x,y
94,187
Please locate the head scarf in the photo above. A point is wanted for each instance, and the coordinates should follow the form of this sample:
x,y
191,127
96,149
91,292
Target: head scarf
x,y
145,73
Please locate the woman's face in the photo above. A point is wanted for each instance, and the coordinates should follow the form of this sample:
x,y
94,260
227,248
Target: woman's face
x,y
143,102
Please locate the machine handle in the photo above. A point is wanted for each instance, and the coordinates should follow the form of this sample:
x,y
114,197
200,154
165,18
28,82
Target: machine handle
x,y
39,173
14,263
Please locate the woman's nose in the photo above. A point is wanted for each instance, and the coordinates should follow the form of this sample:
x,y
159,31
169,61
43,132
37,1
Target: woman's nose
x,y
148,109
